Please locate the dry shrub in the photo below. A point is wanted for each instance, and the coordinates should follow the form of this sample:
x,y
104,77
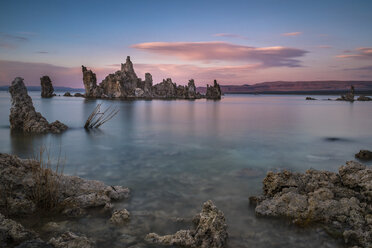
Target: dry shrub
x,y
47,187
98,117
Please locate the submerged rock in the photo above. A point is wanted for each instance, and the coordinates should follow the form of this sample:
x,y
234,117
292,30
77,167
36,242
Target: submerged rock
x,y
23,116
71,240
321,196
120,217
13,233
47,89
364,155
71,195
210,231
35,243
213,92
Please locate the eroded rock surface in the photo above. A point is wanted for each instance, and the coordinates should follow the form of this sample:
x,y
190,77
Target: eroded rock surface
x,y
73,195
120,217
23,116
71,240
90,83
341,200
210,231
47,89
213,92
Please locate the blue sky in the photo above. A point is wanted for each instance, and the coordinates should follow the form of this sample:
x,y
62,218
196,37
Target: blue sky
x,y
331,39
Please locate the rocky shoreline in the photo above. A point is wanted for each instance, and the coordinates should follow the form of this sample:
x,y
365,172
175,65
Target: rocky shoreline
x,y
27,187
342,201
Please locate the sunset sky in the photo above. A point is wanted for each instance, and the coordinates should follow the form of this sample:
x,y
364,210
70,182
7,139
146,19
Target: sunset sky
x,y
235,42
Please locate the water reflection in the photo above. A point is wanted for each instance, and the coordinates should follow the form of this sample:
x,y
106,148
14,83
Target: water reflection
x,y
175,155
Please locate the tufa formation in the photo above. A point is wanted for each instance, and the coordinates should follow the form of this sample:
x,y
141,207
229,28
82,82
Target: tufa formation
x,y
23,116
47,89
125,84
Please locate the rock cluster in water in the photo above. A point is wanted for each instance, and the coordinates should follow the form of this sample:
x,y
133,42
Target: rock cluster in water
x,y
126,85
213,92
343,200
23,116
210,231
72,194
47,89
364,155
349,97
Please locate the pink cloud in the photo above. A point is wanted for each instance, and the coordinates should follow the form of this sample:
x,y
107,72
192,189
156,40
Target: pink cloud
x,y
292,34
359,53
223,51
229,35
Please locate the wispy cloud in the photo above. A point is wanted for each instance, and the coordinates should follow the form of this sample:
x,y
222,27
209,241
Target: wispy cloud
x,y
223,51
292,34
363,68
325,46
359,53
13,37
42,52
10,41
229,35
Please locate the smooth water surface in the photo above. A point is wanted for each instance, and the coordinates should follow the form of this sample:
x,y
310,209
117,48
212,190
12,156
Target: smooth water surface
x,y
175,155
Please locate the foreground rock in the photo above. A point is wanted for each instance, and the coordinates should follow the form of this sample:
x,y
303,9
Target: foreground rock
x,y
29,187
47,89
125,84
340,200
210,231
364,155
213,92
23,116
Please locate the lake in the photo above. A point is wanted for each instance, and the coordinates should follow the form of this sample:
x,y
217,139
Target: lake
x,y
175,155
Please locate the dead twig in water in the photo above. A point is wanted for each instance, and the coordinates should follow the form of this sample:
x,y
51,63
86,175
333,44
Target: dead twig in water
x,y
98,118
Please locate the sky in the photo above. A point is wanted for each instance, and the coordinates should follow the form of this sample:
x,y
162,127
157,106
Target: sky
x,y
235,42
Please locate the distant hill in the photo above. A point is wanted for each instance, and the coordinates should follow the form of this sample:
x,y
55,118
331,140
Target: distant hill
x,y
297,87
38,88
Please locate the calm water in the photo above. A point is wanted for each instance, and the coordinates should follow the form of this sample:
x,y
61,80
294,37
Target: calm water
x,y
175,155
